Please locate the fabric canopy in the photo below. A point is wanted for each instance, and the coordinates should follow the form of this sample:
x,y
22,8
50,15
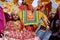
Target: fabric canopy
x,y
19,2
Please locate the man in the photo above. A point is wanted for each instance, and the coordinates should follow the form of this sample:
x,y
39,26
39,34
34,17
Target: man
x,y
43,32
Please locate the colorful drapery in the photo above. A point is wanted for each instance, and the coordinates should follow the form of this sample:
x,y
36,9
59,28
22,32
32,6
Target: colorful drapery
x,y
2,19
30,19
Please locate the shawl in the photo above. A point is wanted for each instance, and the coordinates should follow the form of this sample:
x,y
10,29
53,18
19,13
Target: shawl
x,y
2,19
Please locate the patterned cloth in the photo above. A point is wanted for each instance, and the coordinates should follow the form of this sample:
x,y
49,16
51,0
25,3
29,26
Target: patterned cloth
x,y
23,35
13,25
13,28
30,18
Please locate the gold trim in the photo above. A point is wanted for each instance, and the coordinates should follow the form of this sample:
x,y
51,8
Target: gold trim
x,y
58,2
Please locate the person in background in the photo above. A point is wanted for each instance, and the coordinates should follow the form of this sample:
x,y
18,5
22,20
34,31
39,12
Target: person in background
x,y
56,17
58,12
43,30
55,25
2,21
41,14
56,32
51,19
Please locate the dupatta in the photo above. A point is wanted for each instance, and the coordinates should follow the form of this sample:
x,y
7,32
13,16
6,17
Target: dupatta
x,y
2,19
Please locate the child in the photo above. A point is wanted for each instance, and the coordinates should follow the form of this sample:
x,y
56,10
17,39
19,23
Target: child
x,y
14,22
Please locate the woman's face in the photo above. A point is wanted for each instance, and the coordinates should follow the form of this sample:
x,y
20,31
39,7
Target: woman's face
x,y
15,16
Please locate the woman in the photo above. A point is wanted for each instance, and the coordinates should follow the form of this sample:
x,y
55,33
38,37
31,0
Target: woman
x,y
14,22
17,31
55,25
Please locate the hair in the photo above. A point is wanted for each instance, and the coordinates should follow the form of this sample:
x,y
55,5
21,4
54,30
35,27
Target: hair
x,y
7,17
41,7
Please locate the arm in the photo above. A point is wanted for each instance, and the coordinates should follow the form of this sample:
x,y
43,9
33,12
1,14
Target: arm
x,y
39,25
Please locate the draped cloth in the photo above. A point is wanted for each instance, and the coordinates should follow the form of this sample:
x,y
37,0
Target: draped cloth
x,y
19,2
2,19
35,3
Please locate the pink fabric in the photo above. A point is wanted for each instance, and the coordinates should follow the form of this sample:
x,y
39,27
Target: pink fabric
x,y
2,19
21,35
1,38
37,38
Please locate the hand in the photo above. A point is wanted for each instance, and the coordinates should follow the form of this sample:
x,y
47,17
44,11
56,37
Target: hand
x,y
47,28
